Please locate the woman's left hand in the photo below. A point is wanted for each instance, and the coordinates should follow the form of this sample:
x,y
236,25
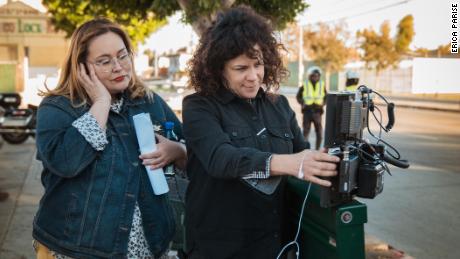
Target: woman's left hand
x,y
167,152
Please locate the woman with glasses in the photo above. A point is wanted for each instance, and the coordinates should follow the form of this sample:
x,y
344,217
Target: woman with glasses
x,y
98,201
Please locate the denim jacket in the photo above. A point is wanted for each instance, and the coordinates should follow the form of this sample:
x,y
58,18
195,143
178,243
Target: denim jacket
x,y
88,204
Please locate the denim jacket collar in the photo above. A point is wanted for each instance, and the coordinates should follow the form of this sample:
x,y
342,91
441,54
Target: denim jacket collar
x,y
129,101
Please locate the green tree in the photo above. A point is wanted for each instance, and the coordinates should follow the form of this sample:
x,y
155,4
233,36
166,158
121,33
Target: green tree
x,y
326,47
422,52
380,50
68,15
141,17
405,34
443,50
200,13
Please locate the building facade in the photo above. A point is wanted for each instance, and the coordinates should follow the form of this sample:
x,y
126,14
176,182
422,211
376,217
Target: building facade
x,y
29,46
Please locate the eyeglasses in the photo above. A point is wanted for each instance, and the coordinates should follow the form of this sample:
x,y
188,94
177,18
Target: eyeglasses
x,y
107,64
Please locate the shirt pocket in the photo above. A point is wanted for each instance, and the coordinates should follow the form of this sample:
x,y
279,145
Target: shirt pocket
x,y
281,139
241,137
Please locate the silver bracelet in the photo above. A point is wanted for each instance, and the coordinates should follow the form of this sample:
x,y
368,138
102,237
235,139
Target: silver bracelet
x,y
300,174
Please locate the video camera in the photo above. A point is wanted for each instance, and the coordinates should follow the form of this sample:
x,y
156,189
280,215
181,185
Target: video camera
x,y
363,164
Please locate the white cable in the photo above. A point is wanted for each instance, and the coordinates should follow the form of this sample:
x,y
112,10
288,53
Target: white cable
x,y
300,174
294,242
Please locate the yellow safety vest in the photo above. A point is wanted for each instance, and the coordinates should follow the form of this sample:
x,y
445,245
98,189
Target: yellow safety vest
x,y
313,95
351,88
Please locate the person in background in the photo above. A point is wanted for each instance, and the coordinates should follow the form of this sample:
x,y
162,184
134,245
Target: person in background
x,y
312,96
351,84
243,140
98,201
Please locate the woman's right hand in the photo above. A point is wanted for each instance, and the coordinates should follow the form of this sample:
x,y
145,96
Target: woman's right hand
x,y
315,164
96,91
318,164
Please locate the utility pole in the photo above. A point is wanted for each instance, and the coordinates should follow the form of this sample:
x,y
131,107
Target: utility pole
x,y
155,63
301,68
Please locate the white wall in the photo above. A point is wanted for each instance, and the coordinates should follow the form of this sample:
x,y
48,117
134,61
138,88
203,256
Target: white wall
x,y
35,82
397,80
436,75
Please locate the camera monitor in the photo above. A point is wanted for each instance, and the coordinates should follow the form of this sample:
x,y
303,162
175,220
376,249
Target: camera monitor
x,y
362,164
346,117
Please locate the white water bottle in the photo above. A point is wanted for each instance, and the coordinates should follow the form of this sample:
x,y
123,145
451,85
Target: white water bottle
x,y
146,139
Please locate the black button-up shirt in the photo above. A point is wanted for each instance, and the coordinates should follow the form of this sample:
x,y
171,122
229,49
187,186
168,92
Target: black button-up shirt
x,y
227,138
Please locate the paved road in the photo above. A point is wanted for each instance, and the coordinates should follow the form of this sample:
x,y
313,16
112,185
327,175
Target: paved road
x,y
418,211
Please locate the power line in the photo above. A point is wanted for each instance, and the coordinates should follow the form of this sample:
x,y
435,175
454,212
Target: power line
x,y
368,12
353,6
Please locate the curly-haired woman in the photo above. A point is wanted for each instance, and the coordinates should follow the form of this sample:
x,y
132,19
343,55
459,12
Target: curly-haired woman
x,y
242,140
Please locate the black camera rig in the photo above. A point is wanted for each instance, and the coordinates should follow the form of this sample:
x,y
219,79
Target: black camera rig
x,y
363,164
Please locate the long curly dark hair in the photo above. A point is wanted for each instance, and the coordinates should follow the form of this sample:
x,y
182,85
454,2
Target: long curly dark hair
x,y
235,32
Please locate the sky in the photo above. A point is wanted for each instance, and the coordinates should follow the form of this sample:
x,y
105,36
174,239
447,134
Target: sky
x,y
34,3
432,20
173,36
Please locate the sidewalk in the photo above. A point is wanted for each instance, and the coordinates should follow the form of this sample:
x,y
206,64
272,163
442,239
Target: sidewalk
x,y
21,178
450,103
17,241
440,102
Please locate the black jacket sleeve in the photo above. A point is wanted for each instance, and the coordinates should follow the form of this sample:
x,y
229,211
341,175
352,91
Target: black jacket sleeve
x,y
207,141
